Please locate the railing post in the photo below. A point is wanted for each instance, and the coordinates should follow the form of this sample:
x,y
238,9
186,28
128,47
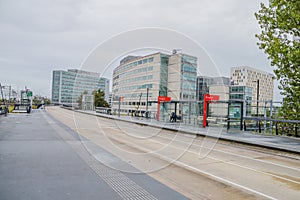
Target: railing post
x,y
276,128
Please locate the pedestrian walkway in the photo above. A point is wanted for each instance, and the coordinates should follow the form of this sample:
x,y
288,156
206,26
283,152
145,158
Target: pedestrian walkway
x,y
290,144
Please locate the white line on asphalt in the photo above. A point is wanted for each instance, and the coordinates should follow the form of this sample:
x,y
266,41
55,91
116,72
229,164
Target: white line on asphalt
x,y
179,163
250,158
231,163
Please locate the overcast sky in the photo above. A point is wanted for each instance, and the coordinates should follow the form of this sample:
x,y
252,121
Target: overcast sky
x,y
38,36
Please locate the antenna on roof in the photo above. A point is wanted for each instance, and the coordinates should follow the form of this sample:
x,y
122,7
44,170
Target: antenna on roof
x,y
174,51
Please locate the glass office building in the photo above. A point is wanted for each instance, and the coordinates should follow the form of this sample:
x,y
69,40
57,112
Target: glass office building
x,y
243,94
67,86
155,75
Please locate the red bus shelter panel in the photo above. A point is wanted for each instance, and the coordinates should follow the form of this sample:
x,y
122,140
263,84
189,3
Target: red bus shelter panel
x,y
161,99
207,99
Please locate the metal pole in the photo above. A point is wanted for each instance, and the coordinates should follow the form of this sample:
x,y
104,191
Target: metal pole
x,y
257,99
265,116
1,91
9,93
119,106
271,113
242,116
147,102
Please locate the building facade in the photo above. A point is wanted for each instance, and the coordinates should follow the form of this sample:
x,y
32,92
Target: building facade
x,y
139,81
256,79
243,94
206,85
67,86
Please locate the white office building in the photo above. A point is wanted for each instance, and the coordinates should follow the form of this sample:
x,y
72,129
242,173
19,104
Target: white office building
x,y
254,78
140,80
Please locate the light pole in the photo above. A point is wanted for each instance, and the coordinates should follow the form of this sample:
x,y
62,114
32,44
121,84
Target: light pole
x,y
257,99
147,102
257,96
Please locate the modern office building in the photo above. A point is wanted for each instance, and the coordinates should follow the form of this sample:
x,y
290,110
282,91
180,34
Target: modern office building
x,y
256,79
205,84
138,79
215,86
68,85
242,94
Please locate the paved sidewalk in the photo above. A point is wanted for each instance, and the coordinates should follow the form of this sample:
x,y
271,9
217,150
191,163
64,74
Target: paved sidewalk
x,y
290,144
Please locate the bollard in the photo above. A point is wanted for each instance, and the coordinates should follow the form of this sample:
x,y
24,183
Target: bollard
x,y
259,127
245,127
296,130
276,127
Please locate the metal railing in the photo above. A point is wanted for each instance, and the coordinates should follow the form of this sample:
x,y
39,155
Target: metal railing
x,y
272,126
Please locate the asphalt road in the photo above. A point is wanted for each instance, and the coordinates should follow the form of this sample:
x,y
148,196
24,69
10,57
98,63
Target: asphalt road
x,y
42,158
197,167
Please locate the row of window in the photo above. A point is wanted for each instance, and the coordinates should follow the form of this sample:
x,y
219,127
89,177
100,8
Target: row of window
x,y
130,96
146,60
131,80
188,95
133,87
187,68
136,71
240,89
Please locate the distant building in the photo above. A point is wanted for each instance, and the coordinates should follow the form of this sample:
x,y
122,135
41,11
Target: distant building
x,y
219,109
247,76
243,94
68,85
204,84
155,75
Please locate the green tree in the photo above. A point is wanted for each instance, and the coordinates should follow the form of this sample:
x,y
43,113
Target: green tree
x,y
99,99
280,38
36,100
47,101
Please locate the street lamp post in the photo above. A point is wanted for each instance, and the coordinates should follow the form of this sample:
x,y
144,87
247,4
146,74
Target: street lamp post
x,y
147,102
257,96
257,99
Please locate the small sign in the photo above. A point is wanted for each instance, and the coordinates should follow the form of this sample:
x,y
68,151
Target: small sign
x,y
164,99
29,93
210,97
121,99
